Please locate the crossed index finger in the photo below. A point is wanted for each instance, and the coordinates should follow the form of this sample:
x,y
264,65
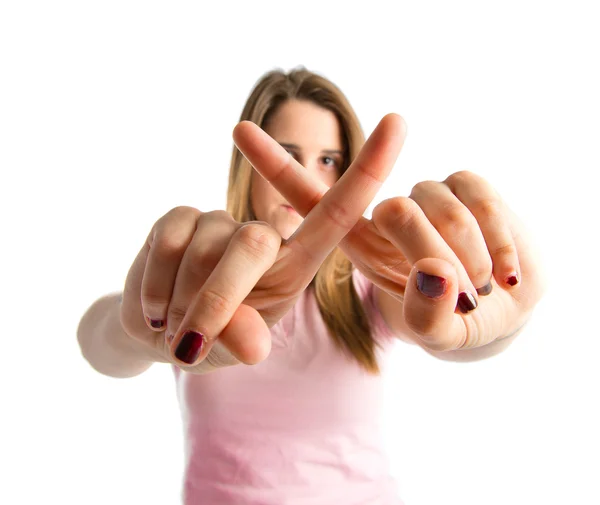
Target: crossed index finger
x,y
329,213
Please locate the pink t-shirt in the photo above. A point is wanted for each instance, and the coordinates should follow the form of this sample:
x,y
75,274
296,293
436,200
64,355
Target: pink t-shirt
x,y
299,428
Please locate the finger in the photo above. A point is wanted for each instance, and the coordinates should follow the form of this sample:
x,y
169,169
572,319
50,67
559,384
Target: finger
x,y
245,321
213,233
459,229
405,225
251,252
132,315
330,213
429,302
167,243
487,207
534,281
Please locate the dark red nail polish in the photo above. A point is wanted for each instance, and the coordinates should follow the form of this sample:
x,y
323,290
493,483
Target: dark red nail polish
x,y
156,323
190,346
485,290
466,302
512,280
431,285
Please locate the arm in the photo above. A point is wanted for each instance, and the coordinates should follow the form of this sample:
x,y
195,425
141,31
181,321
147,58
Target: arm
x,y
106,346
391,311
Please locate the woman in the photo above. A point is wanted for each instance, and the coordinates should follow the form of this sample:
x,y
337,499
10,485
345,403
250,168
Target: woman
x,y
313,304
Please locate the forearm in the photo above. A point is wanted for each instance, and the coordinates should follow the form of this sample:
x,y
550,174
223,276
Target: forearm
x,y
106,346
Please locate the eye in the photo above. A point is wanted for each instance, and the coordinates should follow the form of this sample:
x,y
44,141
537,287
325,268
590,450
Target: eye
x,y
328,161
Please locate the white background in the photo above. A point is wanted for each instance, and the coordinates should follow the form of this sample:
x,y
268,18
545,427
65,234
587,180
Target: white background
x,y
114,112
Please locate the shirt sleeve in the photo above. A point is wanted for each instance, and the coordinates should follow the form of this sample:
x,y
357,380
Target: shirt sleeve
x,y
364,288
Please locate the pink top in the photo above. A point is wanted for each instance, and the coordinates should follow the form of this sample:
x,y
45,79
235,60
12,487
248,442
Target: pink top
x,y
299,428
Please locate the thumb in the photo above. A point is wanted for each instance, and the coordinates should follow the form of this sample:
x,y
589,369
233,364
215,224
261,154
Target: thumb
x,y
430,301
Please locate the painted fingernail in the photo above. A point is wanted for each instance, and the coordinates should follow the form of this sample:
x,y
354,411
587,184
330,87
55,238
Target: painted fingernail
x,y
485,290
155,323
431,285
190,346
466,302
169,338
512,280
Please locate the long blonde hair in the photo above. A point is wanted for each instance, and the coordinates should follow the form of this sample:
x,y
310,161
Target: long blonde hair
x,y
337,299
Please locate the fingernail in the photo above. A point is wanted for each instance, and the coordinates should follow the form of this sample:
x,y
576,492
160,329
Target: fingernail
x,y
155,323
466,302
485,290
512,280
169,338
431,285
190,346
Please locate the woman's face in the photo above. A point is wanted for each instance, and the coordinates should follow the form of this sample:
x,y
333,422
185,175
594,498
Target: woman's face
x,y
312,135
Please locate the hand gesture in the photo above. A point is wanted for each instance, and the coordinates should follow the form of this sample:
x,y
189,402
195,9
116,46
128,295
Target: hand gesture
x,y
203,276
457,262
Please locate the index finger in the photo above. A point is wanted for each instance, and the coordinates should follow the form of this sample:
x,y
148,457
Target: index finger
x,y
329,213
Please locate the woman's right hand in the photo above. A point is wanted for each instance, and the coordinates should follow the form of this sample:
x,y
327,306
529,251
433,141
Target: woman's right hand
x,y
170,278
219,285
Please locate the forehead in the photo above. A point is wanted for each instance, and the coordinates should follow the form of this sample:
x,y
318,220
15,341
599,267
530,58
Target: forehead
x,y
305,123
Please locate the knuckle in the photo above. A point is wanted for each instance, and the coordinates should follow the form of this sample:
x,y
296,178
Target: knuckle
x,y
170,244
363,167
150,299
339,214
199,261
400,213
462,176
259,239
216,215
184,210
214,301
178,213
422,188
176,313
198,269
286,165
506,249
458,216
404,204
488,209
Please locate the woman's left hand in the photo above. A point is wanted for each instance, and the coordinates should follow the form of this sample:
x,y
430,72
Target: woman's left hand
x,y
457,260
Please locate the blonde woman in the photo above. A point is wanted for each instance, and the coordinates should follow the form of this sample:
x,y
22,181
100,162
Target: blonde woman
x,y
293,281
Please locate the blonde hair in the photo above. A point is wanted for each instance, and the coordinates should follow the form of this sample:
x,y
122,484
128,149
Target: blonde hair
x,y
337,298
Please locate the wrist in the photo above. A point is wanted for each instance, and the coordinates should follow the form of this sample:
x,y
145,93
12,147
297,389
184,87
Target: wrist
x,y
105,344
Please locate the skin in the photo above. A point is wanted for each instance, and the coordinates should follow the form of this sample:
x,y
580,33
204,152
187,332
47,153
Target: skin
x,y
230,282
204,289
458,230
312,136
